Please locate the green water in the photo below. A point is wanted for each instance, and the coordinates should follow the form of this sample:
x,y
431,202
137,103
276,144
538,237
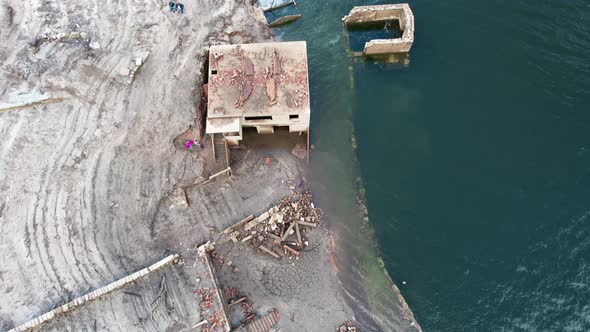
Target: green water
x,y
475,161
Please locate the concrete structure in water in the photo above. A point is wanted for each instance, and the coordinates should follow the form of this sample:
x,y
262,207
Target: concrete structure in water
x,y
257,85
365,15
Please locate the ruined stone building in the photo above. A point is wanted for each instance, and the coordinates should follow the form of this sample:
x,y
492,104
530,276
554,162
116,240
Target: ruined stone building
x,y
264,86
399,12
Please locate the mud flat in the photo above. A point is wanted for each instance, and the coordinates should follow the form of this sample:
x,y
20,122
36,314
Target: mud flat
x,y
89,184
93,188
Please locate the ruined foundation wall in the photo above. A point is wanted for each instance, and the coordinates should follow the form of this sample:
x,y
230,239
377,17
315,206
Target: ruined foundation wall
x,y
370,15
386,46
381,13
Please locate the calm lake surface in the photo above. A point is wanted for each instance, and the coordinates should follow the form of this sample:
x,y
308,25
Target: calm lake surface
x,y
474,159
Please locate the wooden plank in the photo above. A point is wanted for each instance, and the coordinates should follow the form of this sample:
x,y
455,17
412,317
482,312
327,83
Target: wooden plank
x,y
270,252
233,227
291,250
298,235
200,323
257,221
215,175
284,4
284,20
309,224
287,232
219,173
238,301
275,237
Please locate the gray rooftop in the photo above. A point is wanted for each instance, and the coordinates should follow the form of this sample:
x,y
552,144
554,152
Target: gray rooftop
x,y
258,79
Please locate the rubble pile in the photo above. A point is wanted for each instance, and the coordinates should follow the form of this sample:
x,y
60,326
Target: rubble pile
x,y
348,327
212,306
213,319
280,231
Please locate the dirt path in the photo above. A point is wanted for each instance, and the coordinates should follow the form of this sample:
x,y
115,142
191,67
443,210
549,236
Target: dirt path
x,y
82,180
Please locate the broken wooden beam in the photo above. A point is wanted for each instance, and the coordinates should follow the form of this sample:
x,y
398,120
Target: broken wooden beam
x,y
258,220
279,6
284,20
216,175
275,237
291,250
288,232
299,242
233,227
234,236
247,238
238,301
200,323
270,252
309,224
219,173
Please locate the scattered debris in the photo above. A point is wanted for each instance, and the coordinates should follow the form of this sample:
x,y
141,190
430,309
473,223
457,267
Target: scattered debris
x,y
212,304
135,64
178,198
238,301
281,230
94,45
349,326
212,177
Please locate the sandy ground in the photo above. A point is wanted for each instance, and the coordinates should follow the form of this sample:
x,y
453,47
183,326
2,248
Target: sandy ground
x,y
85,175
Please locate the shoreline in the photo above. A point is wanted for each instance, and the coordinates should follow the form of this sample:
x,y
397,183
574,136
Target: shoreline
x,y
100,197
99,201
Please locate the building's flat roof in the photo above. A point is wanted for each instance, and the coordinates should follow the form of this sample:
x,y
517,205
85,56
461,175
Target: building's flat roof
x,y
252,67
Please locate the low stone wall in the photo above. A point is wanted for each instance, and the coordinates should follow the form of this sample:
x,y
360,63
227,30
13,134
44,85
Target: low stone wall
x,y
381,13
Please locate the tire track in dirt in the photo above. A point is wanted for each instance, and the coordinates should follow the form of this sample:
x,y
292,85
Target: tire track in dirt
x,y
54,248
93,205
112,143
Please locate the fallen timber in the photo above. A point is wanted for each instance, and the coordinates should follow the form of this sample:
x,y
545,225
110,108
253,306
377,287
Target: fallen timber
x,y
33,323
279,6
231,228
201,181
284,20
32,104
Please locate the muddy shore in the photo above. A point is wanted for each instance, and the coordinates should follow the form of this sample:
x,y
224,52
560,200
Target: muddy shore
x,y
88,169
